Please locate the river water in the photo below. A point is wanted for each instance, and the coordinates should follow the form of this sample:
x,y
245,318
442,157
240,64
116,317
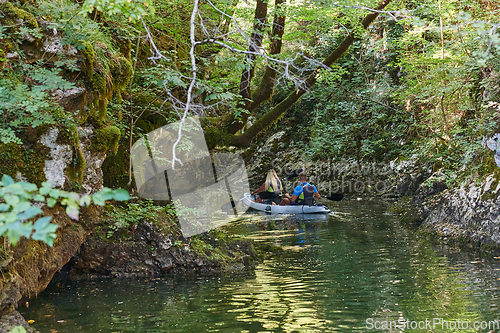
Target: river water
x,y
358,270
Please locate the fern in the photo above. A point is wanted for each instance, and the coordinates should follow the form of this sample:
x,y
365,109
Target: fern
x,y
28,105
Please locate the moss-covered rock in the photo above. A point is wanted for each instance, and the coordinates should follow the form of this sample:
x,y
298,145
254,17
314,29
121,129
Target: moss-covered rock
x,y
108,74
106,139
76,169
121,72
115,169
217,137
89,53
11,15
32,264
99,78
24,161
147,250
125,47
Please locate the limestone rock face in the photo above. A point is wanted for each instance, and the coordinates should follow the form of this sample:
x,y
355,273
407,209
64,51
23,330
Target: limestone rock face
x,y
53,44
57,162
469,215
61,156
93,176
493,143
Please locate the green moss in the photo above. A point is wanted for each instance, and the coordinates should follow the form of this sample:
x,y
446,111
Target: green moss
x,y
96,114
34,163
216,137
107,74
75,170
106,139
6,45
89,54
68,136
30,163
199,246
10,15
115,169
83,116
11,159
98,78
125,47
110,75
121,71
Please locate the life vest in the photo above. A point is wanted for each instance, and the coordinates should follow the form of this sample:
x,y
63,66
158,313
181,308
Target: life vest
x,y
307,195
277,192
271,193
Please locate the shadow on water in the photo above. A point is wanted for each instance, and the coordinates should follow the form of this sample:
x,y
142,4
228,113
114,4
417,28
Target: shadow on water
x,y
344,272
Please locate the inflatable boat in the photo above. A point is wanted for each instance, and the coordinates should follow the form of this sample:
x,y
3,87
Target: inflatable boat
x,y
290,209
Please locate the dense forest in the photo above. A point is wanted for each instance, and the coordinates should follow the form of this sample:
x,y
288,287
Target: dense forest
x,y
362,80
359,81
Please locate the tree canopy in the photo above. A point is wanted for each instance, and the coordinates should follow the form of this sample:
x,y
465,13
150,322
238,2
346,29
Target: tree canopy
x,y
364,79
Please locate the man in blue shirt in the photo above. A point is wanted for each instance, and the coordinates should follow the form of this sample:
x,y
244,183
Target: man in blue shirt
x,y
304,193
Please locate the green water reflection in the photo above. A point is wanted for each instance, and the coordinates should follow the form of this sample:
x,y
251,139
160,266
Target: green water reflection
x,y
337,272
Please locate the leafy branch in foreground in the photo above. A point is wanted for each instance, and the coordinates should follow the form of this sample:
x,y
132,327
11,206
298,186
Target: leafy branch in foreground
x,y
132,9
18,208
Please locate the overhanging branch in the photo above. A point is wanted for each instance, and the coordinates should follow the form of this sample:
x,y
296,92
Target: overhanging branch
x,y
244,140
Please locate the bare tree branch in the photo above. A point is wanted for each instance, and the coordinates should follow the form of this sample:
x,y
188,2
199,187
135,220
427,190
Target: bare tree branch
x,y
243,140
194,70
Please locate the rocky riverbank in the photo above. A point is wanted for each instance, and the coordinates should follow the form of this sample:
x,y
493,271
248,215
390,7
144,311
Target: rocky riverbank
x,y
468,216
28,267
153,249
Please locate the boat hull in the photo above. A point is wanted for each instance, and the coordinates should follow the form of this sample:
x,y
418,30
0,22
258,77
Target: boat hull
x,y
290,209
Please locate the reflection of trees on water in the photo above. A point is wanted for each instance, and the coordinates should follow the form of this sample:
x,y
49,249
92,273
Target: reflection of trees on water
x,y
365,264
336,273
279,301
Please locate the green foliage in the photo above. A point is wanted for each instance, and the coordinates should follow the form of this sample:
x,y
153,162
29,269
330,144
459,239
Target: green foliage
x,y
132,9
133,213
199,246
11,15
19,206
410,87
76,29
2,58
18,329
23,104
105,69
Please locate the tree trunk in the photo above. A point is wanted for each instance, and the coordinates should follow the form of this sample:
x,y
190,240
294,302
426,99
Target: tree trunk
x,y
265,89
254,46
244,140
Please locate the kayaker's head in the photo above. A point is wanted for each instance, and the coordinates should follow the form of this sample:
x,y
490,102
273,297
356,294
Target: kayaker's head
x,y
302,177
272,180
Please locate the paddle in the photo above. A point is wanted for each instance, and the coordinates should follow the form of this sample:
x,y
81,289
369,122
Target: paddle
x,y
335,196
227,207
